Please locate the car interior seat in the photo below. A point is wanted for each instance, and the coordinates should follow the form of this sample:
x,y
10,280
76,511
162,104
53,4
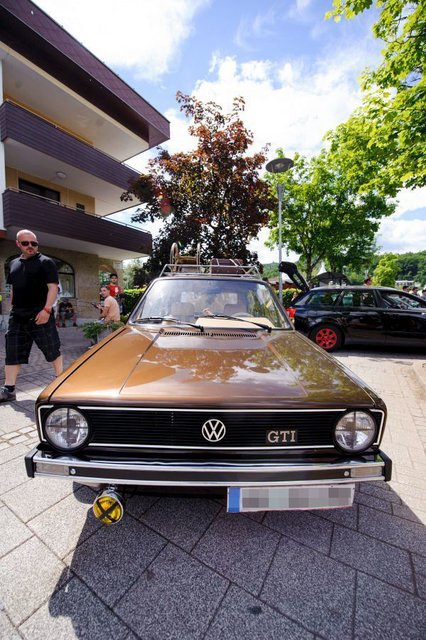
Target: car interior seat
x,y
183,311
234,309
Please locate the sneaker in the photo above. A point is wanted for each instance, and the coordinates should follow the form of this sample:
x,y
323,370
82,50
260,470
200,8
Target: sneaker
x,y
6,396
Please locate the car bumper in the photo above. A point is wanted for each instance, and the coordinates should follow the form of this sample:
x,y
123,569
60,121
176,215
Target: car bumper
x,y
361,468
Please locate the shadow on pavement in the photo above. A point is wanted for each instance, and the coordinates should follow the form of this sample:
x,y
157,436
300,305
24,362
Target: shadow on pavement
x,y
344,573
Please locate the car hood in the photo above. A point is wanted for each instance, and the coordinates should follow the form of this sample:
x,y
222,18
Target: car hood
x,y
135,366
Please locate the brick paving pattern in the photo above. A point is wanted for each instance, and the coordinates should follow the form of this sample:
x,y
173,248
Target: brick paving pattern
x,y
183,568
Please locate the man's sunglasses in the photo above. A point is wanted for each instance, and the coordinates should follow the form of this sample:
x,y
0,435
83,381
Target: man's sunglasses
x,y
25,243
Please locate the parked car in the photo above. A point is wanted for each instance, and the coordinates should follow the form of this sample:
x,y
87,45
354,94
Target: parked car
x,y
332,316
209,387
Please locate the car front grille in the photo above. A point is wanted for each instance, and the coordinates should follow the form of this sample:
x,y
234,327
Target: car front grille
x,y
244,429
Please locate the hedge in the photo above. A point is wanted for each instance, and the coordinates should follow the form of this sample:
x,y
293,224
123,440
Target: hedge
x,y
288,295
131,296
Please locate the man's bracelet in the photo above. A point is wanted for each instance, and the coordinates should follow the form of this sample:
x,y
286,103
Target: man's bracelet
x,y
49,311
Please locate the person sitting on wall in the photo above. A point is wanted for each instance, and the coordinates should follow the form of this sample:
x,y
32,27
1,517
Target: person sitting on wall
x,y
110,311
66,312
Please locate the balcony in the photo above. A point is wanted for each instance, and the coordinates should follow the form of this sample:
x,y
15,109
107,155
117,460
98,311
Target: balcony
x,y
40,148
36,42
60,226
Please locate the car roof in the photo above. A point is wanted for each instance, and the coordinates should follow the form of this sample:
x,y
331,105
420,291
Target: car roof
x,y
358,287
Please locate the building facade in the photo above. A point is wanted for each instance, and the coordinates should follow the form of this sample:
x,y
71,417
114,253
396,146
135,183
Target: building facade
x,y
67,125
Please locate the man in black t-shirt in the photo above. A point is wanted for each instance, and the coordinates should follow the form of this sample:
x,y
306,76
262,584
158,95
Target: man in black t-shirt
x,y
34,281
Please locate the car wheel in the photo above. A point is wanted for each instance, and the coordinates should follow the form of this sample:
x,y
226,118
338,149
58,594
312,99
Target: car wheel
x,y
327,337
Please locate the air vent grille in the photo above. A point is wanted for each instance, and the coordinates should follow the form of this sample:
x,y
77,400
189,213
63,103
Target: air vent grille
x,y
211,334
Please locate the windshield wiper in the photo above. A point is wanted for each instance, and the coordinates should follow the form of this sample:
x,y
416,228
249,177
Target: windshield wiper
x,y
158,319
238,319
152,319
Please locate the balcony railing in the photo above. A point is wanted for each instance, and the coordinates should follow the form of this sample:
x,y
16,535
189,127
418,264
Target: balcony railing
x,y
25,210
35,132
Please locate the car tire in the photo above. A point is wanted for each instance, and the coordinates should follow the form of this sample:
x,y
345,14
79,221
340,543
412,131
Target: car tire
x,y
327,336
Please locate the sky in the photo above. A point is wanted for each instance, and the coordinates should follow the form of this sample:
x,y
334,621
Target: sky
x,y
297,72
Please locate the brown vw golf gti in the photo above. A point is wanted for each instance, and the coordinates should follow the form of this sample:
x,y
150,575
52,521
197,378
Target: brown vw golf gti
x,y
208,386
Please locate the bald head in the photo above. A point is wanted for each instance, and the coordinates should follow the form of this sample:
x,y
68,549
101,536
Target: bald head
x,y
25,234
26,241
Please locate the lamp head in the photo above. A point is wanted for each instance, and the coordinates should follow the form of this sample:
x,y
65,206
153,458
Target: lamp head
x,y
279,165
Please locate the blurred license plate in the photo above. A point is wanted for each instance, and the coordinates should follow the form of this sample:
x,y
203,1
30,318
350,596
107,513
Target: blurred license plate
x,y
286,498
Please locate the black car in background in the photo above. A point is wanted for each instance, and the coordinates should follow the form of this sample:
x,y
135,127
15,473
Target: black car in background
x,y
335,315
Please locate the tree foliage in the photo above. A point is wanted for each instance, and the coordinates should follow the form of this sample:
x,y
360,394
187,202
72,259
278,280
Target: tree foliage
x,y
324,218
386,271
270,270
381,146
217,196
412,266
135,274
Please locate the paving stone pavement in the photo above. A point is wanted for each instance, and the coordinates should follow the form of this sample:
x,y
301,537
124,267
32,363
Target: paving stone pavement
x,y
183,568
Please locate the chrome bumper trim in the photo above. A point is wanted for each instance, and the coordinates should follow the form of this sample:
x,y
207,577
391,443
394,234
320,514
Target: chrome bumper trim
x,y
208,474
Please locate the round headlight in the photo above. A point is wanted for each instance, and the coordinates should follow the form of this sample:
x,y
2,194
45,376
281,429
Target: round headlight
x,y
66,428
355,431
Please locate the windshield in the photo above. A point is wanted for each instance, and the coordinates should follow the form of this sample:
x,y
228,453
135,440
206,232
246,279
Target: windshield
x,y
188,299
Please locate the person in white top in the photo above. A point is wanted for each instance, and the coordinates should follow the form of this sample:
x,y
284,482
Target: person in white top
x,y
110,311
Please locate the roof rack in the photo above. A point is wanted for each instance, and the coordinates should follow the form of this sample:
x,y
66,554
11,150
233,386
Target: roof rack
x,y
189,265
218,270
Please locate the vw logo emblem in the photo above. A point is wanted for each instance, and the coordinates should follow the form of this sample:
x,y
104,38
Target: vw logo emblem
x,y
213,430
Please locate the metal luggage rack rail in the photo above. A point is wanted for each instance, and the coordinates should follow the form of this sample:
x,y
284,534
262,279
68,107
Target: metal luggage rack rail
x,y
218,270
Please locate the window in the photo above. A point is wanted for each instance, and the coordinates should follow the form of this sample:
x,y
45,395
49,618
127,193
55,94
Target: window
x,y
397,300
357,299
322,298
38,190
80,206
66,278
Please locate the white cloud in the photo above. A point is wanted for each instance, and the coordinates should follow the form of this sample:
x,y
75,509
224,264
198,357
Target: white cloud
x,y
288,104
266,255
399,235
142,36
299,9
180,140
251,29
402,236
302,4
410,200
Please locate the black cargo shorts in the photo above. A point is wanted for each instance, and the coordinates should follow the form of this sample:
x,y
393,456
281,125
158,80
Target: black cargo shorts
x,y
21,334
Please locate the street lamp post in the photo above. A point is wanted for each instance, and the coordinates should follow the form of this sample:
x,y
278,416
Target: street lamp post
x,y
279,165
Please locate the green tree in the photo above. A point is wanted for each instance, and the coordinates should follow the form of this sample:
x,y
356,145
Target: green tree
x,y
324,218
386,271
412,266
408,266
381,146
270,270
217,196
135,274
